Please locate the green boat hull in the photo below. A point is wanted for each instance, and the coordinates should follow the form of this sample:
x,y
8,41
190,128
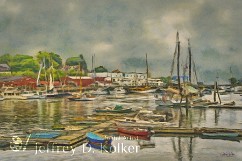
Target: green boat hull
x,y
129,110
220,134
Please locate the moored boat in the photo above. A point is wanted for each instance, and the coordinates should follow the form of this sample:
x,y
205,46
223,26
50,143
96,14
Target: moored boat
x,y
133,137
146,144
116,109
160,102
118,90
45,135
138,122
99,142
135,131
33,95
83,97
143,90
100,91
221,134
12,93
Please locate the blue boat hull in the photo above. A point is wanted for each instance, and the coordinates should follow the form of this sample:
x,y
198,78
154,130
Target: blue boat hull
x,y
220,134
100,146
98,142
94,138
45,135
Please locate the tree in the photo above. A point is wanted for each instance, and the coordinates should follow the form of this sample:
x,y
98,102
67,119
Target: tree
x,y
100,69
49,58
23,63
166,80
74,61
233,81
5,59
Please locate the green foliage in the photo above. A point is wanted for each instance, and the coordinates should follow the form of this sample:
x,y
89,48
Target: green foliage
x,y
49,58
101,69
233,81
73,61
5,59
21,57
57,74
23,63
166,80
26,65
73,72
27,73
5,74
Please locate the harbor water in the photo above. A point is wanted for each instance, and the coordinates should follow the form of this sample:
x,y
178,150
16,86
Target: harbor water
x,y
17,117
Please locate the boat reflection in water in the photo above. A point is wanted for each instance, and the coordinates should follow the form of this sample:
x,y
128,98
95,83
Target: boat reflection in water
x,y
18,116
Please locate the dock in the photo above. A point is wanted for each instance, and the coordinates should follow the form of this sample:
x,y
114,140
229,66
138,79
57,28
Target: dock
x,y
76,138
225,106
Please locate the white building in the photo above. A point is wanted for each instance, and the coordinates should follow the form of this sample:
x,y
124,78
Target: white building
x,y
127,79
134,75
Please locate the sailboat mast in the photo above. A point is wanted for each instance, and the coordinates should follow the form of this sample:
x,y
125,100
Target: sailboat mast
x,y
178,62
51,86
94,68
46,86
147,70
190,61
80,69
41,66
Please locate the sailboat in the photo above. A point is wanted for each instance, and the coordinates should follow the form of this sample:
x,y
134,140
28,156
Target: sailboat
x,y
1,98
31,94
52,92
146,88
179,95
82,96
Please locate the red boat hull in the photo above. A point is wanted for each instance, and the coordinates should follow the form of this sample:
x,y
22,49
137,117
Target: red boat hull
x,y
136,132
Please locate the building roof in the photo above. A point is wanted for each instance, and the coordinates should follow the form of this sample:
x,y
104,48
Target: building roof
x,y
116,71
4,68
11,78
134,73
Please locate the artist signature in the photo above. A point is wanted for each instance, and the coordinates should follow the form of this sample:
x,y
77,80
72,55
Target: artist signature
x,y
227,154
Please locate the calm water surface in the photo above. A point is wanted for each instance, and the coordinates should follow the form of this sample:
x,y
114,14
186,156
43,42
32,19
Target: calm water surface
x,y
16,117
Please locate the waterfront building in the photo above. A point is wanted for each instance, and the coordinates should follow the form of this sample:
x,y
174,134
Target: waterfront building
x,y
4,68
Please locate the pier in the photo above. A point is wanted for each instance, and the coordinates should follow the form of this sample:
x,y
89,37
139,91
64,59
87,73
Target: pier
x,y
74,138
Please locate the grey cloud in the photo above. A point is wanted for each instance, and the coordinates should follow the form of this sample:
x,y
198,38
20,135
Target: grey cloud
x,y
123,30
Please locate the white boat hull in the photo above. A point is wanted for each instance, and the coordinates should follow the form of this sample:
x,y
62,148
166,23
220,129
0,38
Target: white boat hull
x,y
82,99
224,98
15,97
144,91
159,102
140,123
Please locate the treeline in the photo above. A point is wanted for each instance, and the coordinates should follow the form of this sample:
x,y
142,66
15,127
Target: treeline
x,y
26,65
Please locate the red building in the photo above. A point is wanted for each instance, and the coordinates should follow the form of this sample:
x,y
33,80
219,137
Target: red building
x,y
86,81
28,82
18,81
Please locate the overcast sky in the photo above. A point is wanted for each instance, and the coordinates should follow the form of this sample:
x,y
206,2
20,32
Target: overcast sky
x,y
120,32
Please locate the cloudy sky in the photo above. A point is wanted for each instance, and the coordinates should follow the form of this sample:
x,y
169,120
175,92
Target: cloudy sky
x,y
120,32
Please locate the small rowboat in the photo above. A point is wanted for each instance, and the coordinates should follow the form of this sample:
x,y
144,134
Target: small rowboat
x,y
116,109
128,110
95,138
221,134
45,135
99,142
134,131
82,99
133,137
